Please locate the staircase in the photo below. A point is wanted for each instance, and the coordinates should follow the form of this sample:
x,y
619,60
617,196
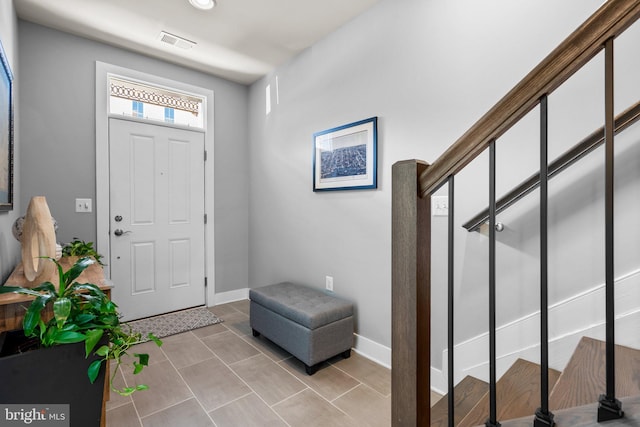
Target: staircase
x,y
519,392
573,392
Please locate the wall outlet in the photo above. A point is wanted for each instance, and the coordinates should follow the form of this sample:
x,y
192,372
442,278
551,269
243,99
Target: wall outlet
x,y
329,283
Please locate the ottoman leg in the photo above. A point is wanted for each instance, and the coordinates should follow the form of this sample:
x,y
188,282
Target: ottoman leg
x,y
312,369
346,354
255,333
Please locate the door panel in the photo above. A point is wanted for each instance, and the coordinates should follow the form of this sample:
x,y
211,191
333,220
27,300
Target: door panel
x,y
157,218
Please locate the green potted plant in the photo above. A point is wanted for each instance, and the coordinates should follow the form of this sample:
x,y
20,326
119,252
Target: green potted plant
x,y
81,315
80,248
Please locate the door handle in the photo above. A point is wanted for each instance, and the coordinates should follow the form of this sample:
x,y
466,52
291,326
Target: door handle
x,y
119,232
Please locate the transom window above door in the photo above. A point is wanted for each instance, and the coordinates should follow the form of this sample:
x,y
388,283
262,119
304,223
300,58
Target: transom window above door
x,y
135,99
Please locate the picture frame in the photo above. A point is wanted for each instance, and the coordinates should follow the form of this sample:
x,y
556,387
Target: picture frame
x,y
6,133
345,157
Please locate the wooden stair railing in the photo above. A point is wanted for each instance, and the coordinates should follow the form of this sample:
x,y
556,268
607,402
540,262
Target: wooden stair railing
x,y
414,182
410,305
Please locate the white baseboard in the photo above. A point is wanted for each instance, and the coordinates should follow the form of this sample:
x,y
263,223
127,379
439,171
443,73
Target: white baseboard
x,y
230,296
569,320
362,345
439,381
372,350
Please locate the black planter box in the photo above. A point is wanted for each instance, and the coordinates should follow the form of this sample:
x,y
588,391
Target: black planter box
x,y
54,375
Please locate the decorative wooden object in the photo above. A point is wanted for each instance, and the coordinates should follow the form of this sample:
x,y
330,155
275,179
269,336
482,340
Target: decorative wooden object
x,y
38,240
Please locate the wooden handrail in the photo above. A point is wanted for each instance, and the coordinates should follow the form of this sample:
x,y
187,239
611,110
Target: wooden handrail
x,y
582,45
575,153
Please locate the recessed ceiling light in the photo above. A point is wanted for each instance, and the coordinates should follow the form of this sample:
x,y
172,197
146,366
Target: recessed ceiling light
x,y
202,4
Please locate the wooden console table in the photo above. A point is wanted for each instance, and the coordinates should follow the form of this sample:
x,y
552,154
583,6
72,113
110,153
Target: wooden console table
x,y
13,306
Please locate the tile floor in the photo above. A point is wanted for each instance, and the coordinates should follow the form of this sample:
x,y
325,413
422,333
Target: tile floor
x,y
222,376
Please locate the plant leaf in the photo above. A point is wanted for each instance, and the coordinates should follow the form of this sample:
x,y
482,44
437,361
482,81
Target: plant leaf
x,y
155,339
111,319
70,327
103,351
68,337
18,290
137,368
93,336
83,318
48,333
143,358
76,270
62,283
109,307
46,287
94,290
61,310
94,370
126,391
32,317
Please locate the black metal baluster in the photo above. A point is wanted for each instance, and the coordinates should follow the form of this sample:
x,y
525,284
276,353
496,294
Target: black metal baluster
x,y
492,421
544,418
450,301
610,408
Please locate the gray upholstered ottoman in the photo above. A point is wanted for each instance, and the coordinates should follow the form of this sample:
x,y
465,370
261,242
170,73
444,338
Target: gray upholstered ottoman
x,y
309,324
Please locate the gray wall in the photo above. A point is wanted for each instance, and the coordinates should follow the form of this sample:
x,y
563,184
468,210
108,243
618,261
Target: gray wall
x,y
58,134
9,247
428,70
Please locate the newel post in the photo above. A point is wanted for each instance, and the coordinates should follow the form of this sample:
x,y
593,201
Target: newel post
x,y
411,293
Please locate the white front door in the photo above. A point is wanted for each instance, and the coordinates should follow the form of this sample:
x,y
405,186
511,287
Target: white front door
x,y
157,218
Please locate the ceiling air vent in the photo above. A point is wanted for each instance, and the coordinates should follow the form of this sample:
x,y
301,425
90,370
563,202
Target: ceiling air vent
x,y
174,40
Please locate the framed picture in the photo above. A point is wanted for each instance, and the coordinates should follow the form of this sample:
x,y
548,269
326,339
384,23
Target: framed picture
x,y
6,133
345,157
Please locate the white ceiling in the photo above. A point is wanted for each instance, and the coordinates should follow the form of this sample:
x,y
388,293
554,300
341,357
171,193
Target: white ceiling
x,y
240,40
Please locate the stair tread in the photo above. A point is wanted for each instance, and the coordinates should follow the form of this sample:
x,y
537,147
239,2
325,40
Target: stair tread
x,y
583,379
466,395
586,416
517,394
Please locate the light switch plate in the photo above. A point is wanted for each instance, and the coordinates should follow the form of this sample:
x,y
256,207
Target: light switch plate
x,y
439,205
83,205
